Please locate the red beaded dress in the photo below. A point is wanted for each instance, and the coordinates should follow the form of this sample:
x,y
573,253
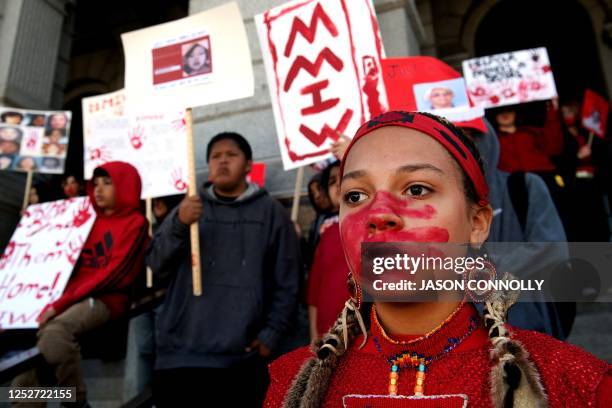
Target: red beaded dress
x,y
458,373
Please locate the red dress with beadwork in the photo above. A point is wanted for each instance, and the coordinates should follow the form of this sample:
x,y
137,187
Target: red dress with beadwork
x,y
461,367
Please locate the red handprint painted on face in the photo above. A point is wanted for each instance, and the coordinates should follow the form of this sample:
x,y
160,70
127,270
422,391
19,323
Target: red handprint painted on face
x,y
136,136
82,214
177,179
101,154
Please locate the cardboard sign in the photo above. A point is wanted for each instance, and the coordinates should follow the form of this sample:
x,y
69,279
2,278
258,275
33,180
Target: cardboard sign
x,y
34,140
154,142
595,111
510,78
322,62
198,60
257,174
427,84
39,258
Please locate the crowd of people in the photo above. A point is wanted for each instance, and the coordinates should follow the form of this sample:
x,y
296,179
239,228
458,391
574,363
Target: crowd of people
x,y
268,288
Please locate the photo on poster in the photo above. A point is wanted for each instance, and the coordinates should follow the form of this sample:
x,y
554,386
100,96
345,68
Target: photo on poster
x,y
182,61
35,120
10,134
6,161
26,163
11,118
28,135
431,96
52,165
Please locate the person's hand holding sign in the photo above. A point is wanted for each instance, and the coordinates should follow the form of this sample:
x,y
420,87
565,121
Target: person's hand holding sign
x,y
190,210
339,146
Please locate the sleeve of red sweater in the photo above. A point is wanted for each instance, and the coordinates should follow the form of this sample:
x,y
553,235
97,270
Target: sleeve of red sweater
x,y
604,391
551,140
120,271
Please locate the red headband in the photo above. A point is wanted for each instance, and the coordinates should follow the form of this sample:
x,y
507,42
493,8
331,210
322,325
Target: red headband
x,y
429,126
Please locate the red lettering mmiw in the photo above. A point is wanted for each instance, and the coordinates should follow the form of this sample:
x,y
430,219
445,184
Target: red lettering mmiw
x,y
315,90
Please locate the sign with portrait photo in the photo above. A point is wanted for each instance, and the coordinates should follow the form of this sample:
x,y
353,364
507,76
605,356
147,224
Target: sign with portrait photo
x,y
32,140
194,61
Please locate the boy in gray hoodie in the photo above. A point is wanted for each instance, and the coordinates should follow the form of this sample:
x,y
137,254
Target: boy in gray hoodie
x,y
217,344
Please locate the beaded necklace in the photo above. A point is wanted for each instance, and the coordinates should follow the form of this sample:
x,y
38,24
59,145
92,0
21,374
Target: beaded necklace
x,y
406,359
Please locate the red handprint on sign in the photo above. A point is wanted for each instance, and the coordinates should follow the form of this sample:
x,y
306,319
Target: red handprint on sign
x,y
82,214
179,124
177,179
31,142
100,153
136,135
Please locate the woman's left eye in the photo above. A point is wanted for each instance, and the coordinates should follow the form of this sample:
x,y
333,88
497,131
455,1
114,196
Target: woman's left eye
x,y
418,190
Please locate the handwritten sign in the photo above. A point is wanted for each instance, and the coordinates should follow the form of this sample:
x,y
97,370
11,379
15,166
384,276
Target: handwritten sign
x,y
154,142
39,258
32,140
322,60
510,78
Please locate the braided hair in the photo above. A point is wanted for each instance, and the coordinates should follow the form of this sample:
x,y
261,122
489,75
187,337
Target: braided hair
x,y
310,385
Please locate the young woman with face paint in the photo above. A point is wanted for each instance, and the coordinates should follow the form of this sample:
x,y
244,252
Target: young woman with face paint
x,y
412,177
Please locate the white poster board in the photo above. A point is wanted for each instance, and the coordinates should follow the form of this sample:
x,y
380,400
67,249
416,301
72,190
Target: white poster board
x,y
154,142
40,257
322,61
510,78
197,60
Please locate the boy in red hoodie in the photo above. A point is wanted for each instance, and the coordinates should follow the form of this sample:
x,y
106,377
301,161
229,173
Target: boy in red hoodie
x,y
97,291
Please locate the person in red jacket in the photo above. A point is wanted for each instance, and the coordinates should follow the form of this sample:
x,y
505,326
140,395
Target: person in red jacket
x,y
99,287
415,177
327,290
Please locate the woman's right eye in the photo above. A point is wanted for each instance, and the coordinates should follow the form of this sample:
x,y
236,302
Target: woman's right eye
x,y
354,197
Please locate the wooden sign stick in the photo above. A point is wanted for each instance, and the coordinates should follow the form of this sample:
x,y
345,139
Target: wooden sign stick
x,y
196,271
295,209
26,194
149,206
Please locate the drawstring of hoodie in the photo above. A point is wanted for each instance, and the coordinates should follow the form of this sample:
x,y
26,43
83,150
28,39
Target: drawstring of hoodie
x,y
242,239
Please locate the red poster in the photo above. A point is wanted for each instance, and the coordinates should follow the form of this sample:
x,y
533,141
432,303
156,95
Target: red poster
x,y
428,84
595,113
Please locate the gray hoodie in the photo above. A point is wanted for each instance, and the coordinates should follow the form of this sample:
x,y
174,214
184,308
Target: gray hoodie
x,y
250,278
543,224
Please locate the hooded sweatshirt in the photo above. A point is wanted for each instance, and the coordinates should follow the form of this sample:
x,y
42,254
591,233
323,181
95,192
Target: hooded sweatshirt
x,y
250,280
113,254
542,224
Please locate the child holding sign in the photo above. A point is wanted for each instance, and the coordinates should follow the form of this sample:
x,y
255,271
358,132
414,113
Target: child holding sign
x,y
98,290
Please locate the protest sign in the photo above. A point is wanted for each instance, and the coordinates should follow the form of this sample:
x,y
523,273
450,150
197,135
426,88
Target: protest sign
x,y
34,141
510,78
595,113
427,84
322,62
40,257
198,60
154,142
